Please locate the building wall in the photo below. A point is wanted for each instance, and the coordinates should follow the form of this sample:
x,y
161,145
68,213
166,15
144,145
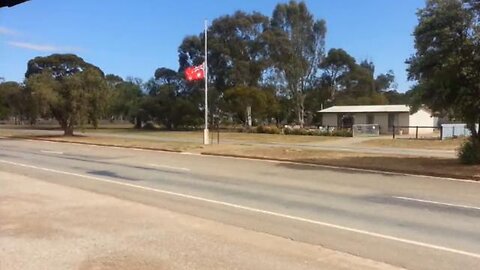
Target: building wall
x,y
404,121
400,119
381,119
360,118
329,119
422,118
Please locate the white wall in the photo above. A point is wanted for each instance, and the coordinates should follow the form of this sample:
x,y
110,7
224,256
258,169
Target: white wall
x,y
329,119
404,120
422,118
401,119
382,120
360,118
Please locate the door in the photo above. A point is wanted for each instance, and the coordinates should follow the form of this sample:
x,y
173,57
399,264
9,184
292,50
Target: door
x,y
392,120
370,119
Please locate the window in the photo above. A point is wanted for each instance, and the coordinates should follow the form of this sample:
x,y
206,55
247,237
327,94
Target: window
x,y
345,121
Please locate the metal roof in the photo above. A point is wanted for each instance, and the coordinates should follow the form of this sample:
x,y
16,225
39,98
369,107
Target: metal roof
x,y
366,108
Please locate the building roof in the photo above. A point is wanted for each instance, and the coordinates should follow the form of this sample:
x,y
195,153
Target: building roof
x,y
366,109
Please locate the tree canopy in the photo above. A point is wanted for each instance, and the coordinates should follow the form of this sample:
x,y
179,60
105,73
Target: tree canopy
x,y
296,44
447,60
276,65
66,87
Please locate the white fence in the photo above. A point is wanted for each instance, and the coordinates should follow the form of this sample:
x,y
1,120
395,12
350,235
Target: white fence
x,y
455,130
366,130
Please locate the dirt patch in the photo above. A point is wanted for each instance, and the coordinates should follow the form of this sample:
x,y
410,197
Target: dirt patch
x,y
94,231
122,261
17,221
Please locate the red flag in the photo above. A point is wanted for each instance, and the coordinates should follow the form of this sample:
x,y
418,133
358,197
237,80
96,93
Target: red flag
x,y
195,73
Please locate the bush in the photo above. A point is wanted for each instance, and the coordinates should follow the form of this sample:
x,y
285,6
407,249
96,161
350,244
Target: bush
x,y
287,131
315,132
295,131
149,126
268,129
342,133
469,153
245,130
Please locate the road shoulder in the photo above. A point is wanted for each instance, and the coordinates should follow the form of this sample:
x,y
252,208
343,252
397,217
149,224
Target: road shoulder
x,y
68,228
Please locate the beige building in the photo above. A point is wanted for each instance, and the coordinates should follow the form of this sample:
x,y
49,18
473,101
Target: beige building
x,y
386,116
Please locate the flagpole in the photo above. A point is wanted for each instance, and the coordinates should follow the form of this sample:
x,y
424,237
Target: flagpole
x,y
205,131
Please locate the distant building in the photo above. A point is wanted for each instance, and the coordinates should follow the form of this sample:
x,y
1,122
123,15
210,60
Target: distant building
x,y
386,116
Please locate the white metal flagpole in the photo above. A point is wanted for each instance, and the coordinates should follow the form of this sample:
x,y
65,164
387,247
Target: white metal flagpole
x,y
205,70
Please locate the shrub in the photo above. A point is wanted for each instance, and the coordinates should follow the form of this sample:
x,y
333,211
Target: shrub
x,y
315,132
240,129
268,129
469,153
149,126
342,133
287,131
295,131
249,130
274,130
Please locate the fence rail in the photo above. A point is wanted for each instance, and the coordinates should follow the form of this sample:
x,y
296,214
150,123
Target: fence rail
x,y
398,130
455,130
445,130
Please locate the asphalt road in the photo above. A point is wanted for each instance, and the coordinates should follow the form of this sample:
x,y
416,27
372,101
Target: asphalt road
x,y
406,221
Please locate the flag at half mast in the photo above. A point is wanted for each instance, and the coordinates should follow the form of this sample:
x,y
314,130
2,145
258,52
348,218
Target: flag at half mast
x,y
195,73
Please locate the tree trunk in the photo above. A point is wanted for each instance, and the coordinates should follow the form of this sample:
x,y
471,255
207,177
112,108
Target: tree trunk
x,y
68,131
475,134
301,110
138,123
472,126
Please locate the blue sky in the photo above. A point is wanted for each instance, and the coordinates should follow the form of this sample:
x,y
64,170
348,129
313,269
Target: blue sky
x,y
133,38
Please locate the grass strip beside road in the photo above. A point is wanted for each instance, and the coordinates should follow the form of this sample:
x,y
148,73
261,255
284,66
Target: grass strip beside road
x,y
428,144
116,142
442,167
223,136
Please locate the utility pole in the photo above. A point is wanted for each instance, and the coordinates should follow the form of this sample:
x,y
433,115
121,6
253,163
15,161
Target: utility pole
x,y
205,68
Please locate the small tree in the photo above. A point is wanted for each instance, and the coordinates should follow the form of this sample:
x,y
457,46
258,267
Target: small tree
x,y
126,99
261,102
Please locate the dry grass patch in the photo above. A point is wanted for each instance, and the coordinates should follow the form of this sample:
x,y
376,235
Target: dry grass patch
x,y
120,142
412,165
450,144
185,135
224,136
